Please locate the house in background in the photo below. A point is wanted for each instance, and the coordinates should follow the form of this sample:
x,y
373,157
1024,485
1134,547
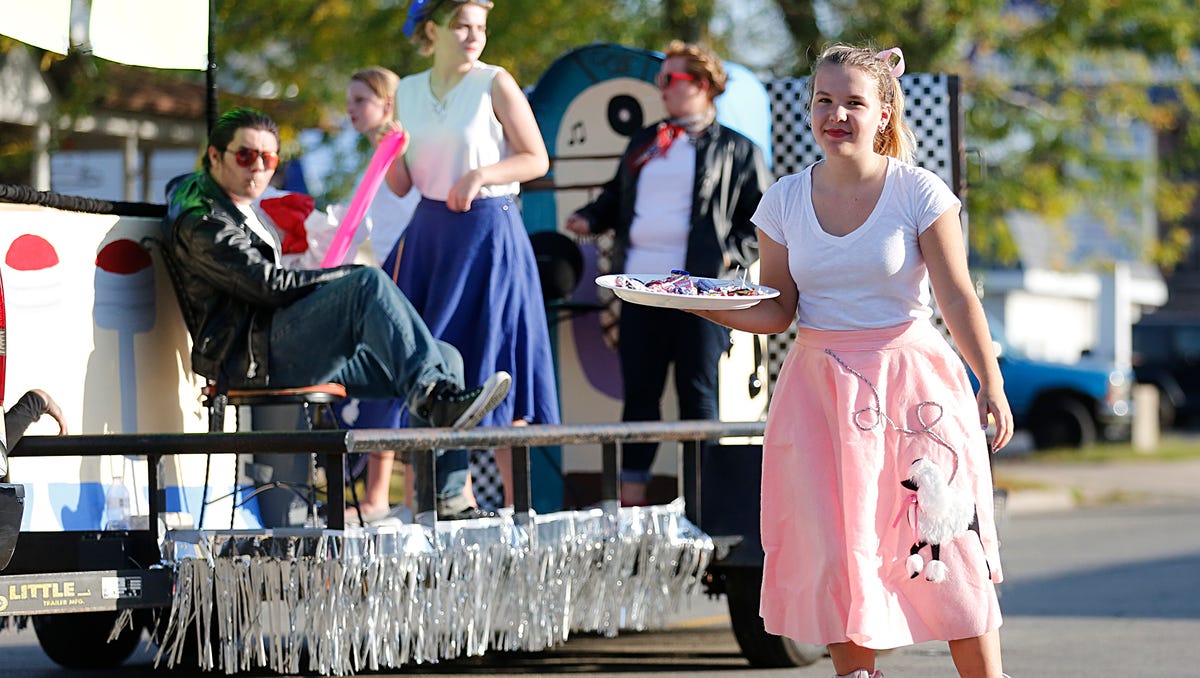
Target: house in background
x,y
138,130
1079,295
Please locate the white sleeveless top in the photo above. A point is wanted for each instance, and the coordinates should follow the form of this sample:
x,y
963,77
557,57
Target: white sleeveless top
x,y
448,138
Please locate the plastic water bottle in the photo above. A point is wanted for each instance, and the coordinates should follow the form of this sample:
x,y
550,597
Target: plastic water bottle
x,y
116,506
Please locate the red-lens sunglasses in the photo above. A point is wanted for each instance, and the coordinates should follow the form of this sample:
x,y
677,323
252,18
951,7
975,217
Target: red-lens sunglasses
x,y
245,157
664,80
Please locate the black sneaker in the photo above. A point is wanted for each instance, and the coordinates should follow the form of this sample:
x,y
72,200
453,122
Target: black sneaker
x,y
449,406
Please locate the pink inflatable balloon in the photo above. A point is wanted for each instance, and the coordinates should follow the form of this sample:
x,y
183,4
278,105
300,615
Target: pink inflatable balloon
x,y
385,153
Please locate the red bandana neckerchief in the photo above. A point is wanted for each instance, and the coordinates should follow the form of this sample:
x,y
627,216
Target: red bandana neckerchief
x,y
663,138
667,132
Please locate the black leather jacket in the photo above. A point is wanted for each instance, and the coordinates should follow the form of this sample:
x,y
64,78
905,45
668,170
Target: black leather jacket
x,y
227,282
730,179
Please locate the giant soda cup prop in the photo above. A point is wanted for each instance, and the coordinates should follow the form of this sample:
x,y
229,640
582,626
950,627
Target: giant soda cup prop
x,y
385,153
125,303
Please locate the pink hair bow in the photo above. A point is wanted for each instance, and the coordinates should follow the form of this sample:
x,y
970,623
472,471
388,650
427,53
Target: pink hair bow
x,y
886,57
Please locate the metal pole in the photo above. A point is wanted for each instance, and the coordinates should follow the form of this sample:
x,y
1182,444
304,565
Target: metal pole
x,y
210,104
610,477
690,480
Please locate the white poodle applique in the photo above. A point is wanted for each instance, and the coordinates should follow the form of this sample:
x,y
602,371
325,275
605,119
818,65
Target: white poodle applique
x,y
938,512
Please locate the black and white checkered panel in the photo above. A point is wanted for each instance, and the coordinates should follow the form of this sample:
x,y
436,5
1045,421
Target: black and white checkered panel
x,y
486,481
928,111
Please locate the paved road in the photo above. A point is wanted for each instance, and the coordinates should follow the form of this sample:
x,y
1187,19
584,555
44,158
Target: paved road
x,y
1048,485
1109,590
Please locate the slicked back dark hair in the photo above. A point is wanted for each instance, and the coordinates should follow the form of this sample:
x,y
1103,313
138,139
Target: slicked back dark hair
x,y
231,121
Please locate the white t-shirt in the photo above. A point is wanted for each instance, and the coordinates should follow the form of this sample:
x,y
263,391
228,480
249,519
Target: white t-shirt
x,y
662,211
387,218
872,277
260,229
450,137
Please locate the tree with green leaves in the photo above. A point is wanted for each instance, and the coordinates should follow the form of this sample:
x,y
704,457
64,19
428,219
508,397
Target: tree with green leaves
x,y
302,52
1050,89
1054,94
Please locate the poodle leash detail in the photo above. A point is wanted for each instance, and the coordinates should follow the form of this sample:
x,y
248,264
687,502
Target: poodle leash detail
x,y
937,510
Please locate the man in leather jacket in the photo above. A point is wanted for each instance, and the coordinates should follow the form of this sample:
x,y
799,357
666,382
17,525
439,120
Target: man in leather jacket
x,y
682,198
255,323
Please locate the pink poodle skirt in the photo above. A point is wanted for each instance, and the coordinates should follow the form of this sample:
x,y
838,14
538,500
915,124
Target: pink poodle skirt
x,y
850,413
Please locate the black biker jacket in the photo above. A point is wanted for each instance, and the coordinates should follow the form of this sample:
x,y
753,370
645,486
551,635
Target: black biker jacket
x,y
227,282
730,179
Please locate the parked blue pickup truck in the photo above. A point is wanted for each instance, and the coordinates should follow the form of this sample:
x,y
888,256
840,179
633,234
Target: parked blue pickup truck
x,y
1065,405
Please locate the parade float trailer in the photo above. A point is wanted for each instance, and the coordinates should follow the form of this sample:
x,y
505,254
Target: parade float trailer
x,y
92,318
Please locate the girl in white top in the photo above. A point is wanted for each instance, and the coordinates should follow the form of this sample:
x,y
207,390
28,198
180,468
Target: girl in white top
x,y
460,166
468,265
371,106
870,388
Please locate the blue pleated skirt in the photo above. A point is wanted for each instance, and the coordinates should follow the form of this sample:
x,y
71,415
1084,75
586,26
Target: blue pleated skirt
x,y
473,278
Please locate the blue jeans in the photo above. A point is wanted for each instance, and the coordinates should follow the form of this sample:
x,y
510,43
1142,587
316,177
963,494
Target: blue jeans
x,y
361,331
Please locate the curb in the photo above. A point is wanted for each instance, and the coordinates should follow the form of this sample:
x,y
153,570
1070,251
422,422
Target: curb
x,y
1024,502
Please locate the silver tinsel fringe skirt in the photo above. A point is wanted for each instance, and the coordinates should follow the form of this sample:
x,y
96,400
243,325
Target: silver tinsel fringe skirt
x,y
336,602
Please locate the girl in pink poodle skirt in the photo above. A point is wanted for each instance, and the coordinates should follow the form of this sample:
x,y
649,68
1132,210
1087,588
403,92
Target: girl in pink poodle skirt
x,y
863,551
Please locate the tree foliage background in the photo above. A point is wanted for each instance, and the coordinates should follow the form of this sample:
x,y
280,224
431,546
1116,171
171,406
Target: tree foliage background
x,y
1054,92
303,51
1050,88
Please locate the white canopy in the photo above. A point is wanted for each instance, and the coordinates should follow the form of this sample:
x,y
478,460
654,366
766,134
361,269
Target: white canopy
x,y
149,33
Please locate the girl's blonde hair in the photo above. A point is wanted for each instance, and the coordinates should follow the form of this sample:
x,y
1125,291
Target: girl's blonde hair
x,y
896,139
379,80
441,13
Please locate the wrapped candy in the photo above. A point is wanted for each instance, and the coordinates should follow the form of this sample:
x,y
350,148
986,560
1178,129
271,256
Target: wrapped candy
x,y
631,283
679,282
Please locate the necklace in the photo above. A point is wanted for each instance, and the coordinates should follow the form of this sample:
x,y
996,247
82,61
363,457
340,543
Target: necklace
x,y
439,103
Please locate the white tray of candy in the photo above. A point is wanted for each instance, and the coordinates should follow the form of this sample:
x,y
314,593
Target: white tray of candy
x,y
680,290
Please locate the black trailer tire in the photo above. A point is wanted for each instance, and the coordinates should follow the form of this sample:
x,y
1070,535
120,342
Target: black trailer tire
x,y
79,640
763,650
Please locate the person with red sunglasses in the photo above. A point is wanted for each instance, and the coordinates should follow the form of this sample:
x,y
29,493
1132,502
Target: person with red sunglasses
x,y
681,199
255,323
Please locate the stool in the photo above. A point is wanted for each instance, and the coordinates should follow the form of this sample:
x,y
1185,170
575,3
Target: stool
x,y
317,402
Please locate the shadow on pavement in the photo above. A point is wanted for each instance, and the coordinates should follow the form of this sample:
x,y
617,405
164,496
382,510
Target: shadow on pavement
x,y
1167,588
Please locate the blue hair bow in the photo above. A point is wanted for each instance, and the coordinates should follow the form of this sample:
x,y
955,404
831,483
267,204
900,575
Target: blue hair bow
x,y
416,14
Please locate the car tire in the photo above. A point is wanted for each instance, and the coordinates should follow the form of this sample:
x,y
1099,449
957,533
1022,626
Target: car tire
x,y
743,586
79,640
1062,422
1167,413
